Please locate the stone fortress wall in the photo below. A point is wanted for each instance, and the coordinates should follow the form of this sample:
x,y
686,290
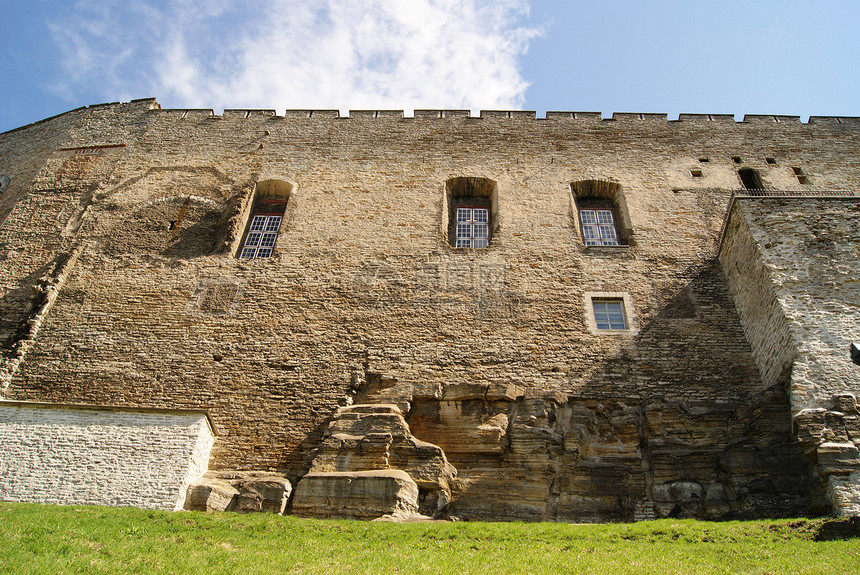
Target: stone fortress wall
x,y
121,223
89,456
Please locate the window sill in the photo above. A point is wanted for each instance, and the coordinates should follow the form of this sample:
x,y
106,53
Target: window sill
x,y
623,251
622,247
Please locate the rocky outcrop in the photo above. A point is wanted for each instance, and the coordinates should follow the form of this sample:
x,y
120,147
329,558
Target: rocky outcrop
x,y
244,492
368,437
555,458
357,495
831,438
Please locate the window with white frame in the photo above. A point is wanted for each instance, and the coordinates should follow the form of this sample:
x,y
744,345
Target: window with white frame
x,y
598,227
601,213
470,212
261,237
609,314
473,228
265,217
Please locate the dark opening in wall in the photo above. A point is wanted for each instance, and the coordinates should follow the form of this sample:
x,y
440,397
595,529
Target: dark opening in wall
x,y
470,215
696,173
601,213
801,175
704,160
751,179
736,159
770,160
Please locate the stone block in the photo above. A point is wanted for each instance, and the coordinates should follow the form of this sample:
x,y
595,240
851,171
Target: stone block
x,y
852,428
356,494
242,491
264,494
504,391
366,437
837,458
809,426
209,494
76,455
464,391
843,492
845,403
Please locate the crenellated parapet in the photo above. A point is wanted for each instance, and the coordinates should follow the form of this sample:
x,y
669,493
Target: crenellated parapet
x,y
580,117
574,117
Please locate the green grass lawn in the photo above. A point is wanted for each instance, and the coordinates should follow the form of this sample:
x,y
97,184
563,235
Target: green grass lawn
x,y
55,539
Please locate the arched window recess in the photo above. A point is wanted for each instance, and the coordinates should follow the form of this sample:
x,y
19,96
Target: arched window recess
x,y
264,219
601,213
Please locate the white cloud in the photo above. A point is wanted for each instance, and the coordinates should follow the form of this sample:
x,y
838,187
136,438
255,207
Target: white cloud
x,y
296,54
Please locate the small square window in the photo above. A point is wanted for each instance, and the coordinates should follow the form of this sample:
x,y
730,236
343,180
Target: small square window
x,y
696,173
770,160
609,314
736,159
704,160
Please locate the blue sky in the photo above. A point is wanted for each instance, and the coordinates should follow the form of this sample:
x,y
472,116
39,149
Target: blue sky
x,y
672,56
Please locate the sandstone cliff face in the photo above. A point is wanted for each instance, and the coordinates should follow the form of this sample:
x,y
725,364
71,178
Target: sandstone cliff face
x,y
596,460
119,232
376,437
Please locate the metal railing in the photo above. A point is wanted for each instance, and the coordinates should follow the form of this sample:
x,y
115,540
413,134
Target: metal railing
x,y
791,193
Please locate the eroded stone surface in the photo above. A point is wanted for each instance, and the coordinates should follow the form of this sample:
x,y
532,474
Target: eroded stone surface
x,y
209,494
584,460
244,492
367,437
356,494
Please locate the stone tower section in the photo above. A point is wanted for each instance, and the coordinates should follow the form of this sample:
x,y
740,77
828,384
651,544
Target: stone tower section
x,y
566,318
791,263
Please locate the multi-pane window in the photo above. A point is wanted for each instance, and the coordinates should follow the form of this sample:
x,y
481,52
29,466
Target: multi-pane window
x,y
473,228
609,314
598,227
261,236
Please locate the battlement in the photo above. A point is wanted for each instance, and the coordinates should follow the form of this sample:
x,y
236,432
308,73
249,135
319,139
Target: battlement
x,y
552,115
633,118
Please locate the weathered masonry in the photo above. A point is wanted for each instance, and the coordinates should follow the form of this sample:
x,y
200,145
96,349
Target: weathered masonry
x,y
566,318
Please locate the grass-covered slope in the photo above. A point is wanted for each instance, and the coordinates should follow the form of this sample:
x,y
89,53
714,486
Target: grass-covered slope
x,y
51,539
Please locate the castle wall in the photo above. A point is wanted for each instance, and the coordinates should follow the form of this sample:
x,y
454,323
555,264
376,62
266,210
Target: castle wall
x,y
54,173
791,264
364,299
81,456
